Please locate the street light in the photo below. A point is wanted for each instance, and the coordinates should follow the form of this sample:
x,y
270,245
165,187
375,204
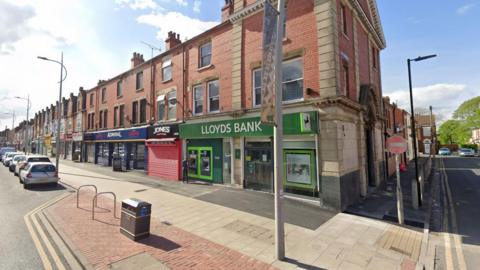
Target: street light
x,y
62,67
414,133
25,141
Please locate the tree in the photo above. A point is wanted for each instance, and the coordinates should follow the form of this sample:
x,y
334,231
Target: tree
x,y
447,132
467,109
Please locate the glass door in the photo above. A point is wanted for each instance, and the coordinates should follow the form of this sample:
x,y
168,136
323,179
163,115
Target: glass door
x,y
227,162
258,166
192,162
200,163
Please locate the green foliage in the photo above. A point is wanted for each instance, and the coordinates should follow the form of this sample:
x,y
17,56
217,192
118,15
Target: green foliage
x,y
471,146
454,132
467,109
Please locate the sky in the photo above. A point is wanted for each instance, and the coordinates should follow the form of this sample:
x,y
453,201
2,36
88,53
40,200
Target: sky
x,y
99,37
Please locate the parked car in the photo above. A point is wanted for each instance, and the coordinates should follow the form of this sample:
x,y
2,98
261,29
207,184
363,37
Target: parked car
x,y
444,152
30,159
16,159
9,156
466,152
5,150
38,173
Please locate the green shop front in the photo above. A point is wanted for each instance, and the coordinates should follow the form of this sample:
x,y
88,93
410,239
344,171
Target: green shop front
x,y
240,151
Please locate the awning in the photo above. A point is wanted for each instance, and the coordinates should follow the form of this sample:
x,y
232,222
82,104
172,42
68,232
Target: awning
x,y
162,140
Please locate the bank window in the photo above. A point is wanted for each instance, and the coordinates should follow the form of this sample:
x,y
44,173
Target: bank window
x,y
139,84
143,111
197,99
119,89
115,116
167,68
205,55
213,96
161,107
292,80
104,95
121,111
257,87
172,105
134,112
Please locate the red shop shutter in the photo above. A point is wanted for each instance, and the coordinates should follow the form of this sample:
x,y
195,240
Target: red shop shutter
x,y
164,161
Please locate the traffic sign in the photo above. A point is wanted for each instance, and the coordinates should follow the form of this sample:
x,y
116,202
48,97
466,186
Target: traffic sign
x,y
397,144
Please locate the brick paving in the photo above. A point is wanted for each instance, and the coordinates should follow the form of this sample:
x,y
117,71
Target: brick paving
x,y
102,244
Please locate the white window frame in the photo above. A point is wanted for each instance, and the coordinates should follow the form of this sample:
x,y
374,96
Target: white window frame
x,y
194,88
138,83
161,99
302,79
254,99
172,95
217,96
200,62
167,64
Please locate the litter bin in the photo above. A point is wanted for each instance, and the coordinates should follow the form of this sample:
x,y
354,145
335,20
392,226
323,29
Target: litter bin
x,y
117,164
135,219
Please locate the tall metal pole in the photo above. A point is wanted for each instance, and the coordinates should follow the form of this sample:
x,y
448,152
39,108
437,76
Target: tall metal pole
x,y
414,133
28,124
57,156
278,138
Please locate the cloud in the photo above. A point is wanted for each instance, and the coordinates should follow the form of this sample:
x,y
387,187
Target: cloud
x,y
444,98
186,26
182,2
14,25
138,4
196,6
464,9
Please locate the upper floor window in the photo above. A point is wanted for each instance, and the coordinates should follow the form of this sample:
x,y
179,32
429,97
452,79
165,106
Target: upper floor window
x,y
143,111
115,117
100,119
167,68
257,87
374,57
343,18
119,89
197,99
161,107
134,112
346,80
121,112
213,96
91,100
105,117
205,55
139,84
172,105
292,81
104,95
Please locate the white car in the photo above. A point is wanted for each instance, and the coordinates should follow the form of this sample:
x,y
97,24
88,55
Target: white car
x,y
39,173
30,159
9,157
15,161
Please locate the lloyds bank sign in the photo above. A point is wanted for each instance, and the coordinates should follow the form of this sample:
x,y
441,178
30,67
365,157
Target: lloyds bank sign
x,y
293,124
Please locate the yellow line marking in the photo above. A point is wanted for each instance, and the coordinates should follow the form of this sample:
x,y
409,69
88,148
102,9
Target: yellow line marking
x,y
50,248
446,236
41,252
456,238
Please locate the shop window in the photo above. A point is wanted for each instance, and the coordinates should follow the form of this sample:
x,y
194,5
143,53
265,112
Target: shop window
x,y
213,96
139,81
205,55
172,105
119,89
257,87
161,108
143,111
115,117
167,68
104,95
134,112
292,80
121,112
197,99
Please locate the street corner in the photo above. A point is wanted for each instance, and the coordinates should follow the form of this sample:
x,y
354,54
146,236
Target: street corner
x,y
99,244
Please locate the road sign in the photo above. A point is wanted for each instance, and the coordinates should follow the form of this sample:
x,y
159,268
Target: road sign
x,y
397,144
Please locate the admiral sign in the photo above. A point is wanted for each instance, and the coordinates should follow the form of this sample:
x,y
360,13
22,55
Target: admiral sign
x,y
118,135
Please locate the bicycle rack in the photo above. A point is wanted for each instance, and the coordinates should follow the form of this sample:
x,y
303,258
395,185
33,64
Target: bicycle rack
x,y
78,191
94,203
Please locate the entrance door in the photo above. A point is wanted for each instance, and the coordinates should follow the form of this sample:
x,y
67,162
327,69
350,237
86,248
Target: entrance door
x,y
258,166
227,162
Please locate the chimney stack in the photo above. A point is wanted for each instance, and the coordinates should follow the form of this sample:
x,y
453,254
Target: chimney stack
x,y
172,40
137,59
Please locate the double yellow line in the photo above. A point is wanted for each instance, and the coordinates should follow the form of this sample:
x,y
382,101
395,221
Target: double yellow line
x,y
38,236
450,208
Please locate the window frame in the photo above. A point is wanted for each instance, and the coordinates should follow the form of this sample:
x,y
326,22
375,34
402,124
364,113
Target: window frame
x,y
194,88
343,16
167,65
346,79
254,99
119,89
170,106
134,112
201,64
162,101
91,99
217,96
139,81
104,95
115,116
302,79
121,112
142,114
105,117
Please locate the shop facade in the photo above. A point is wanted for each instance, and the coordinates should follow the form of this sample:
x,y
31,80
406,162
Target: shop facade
x,y
164,152
128,145
77,146
239,151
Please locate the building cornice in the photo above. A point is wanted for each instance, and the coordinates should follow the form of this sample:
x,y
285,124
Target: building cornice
x,y
376,28
246,11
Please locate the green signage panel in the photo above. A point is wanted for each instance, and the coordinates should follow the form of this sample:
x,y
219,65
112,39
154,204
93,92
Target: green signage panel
x,y
293,124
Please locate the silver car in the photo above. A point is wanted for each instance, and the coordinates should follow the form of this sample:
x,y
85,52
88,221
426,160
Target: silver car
x,y
16,159
38,173
466,152
8,157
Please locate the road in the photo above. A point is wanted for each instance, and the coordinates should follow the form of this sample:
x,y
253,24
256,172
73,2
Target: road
x,y
17,250
460,186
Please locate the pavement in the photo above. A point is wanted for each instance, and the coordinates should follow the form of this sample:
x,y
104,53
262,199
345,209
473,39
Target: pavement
x,y
17,250
191,233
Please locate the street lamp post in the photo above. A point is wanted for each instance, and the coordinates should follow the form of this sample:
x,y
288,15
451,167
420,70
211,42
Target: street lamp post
x,y
414,132
62,67
25,139
13,121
